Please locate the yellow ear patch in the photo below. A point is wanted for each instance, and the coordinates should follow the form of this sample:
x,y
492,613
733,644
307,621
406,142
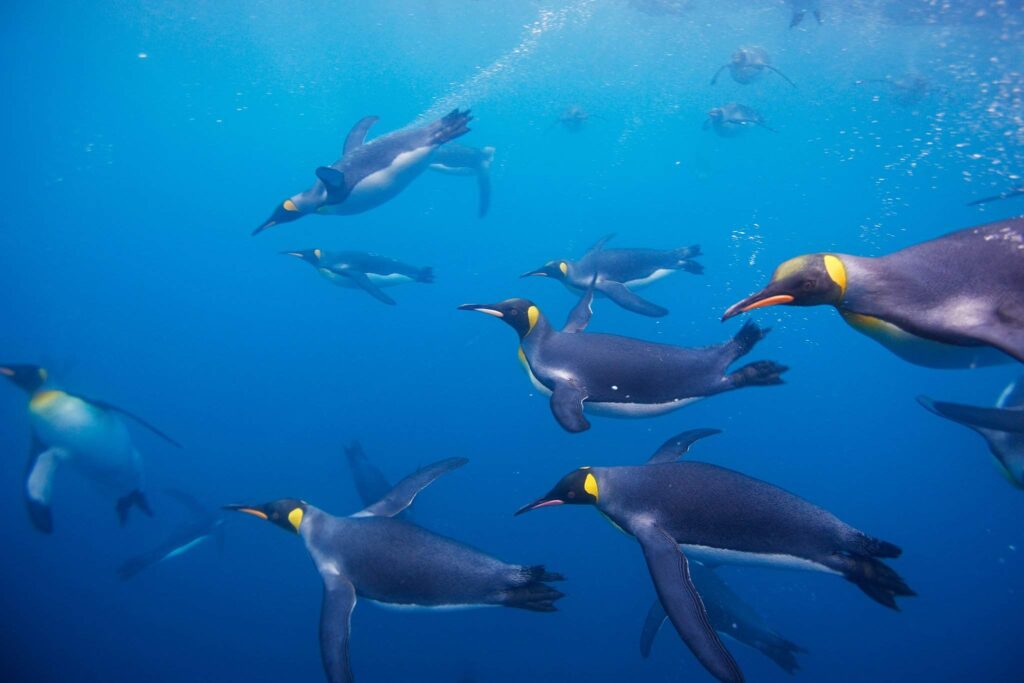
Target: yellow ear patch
x,y
564,267
289,205
317,252
295,517
837,271
590,485
43,374
533,314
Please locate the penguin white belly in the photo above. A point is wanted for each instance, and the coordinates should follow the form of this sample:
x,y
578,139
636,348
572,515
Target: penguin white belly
x,y
95,441
389,280
653,277
382,185
711,555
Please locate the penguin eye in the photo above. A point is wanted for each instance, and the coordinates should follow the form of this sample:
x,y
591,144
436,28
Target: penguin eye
x,y
513,312
572,494
808,285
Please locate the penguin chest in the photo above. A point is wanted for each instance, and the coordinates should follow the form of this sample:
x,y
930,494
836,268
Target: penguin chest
x,y
382,184
653,277
377,279
714,556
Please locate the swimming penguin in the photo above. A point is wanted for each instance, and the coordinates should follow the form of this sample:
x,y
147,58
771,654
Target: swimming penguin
x,y
1007,194
359,270
374,556
370,173
621,376
84,433
801,8
456,159
573,118
616,272
953,302
731,119
1002,427
202,526
680,510
747,65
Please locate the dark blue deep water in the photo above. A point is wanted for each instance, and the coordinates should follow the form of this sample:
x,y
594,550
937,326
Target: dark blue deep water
x,y
143,142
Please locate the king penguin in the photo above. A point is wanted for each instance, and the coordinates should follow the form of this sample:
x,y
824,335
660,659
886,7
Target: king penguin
x,y
621,376
1002,427
952,302
359,270
84,433
615,273
680,510
370,173
374,556
456,159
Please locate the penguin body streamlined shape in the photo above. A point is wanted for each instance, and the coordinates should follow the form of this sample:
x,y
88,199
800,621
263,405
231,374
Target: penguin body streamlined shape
x,y
1002,427
615,273
621,376
374,556
956,301
730,119
748,64
456,159
202,526
359,270
370,173
677,510
86,434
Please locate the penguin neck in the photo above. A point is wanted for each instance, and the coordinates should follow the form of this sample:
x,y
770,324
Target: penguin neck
x,y
860,273
540,330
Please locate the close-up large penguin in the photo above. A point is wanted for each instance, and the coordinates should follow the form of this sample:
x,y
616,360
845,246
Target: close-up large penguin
x,y
85,434
956,301
1002,427
680,510
615,273
374,556
621,376
359,270
370,173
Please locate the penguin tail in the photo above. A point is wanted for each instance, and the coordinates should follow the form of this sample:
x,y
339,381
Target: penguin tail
x,y
781,651
530,592
685,256
878,581
875,547
134,499
449,127
760,374
425,275
747,338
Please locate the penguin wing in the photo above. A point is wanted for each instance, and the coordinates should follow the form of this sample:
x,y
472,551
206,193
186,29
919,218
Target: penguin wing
x,y
42,465
624,297
360,279
148,425
681,601
1012,396
679,445
655,618
579,317
599,245
335,626
181,542
996,419
567,399
357,136
405,491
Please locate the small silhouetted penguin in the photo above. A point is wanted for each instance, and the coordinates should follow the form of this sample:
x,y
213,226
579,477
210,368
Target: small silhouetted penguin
x,y
729,120
374,556
681,510
615,273
800,8
86,434
956,301
748,64
359,270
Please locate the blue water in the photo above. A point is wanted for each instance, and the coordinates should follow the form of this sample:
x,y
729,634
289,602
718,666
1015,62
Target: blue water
x,y
144,141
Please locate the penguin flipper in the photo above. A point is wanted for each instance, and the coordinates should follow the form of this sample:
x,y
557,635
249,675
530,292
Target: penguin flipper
x,y
567,406
334,182
335,625
148,425
364,283
679,445
624,297
997,419
42,465
784,76
681,601
1012,396
599,245
580,315
405,491
655,618
357,136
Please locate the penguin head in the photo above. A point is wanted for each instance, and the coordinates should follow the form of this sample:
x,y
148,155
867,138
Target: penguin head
x,y
809,280
286,513
289,210
28,377
579,487
520,314
310,256
556,269
716,113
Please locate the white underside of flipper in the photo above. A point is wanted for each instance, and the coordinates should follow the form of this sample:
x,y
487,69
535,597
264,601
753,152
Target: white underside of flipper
x,y
706,554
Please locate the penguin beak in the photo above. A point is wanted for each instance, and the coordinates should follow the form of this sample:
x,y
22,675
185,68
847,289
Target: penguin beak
x,y
539,272
285,213
539,503
6,372
766,297
247,509
489,309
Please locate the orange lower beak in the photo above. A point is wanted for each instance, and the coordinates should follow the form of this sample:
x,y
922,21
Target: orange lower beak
x,y
754,302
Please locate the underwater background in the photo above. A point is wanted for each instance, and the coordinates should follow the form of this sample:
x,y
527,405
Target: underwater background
x,y
145,140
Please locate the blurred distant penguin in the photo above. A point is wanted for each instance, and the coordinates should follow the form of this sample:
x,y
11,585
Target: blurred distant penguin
x,y
620,376
359,270
682,510
573,118
801,8
85,434
202,526
370,173
953,302
1002,427
374,556
456,159
1013,192
732,118
616,272
747,65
